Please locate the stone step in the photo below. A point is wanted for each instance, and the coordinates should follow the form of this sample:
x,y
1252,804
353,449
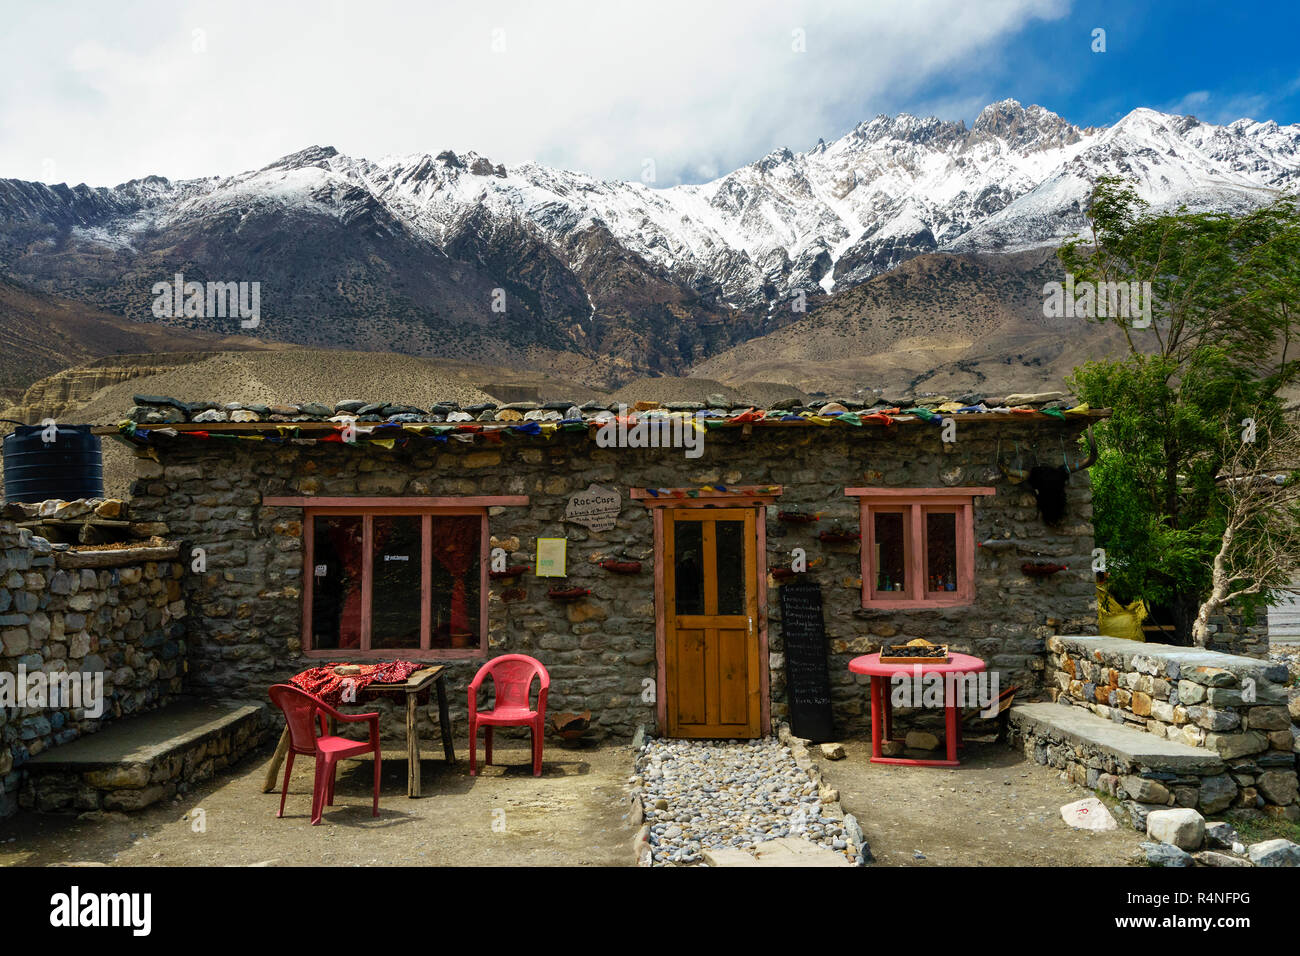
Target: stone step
x,y
1132,749
781,852
138,760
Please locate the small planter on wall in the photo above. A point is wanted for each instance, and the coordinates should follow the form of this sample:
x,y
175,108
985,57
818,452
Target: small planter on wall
x,y
797,517
509,573
838,536
621,567
567,594
1037,569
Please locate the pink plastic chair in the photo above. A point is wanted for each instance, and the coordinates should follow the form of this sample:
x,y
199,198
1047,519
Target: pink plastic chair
x,y
512,679
301,712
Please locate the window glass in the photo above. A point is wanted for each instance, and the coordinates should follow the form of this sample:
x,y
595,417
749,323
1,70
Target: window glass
x,y
688,566
940,552
396,573
455,579
336,582
729,538
891,558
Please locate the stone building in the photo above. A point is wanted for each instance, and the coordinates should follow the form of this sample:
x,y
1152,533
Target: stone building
x,y
315,534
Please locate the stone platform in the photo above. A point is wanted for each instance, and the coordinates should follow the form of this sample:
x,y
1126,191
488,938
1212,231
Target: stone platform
x,y
140,760
1124,762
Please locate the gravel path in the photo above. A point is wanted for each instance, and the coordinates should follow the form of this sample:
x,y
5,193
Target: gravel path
x,y
1288,654
704,794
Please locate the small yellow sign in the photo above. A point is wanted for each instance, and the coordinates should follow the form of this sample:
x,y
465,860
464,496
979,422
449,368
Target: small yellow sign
x,y
550,557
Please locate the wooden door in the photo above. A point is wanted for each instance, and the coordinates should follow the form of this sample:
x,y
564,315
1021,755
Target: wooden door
x,y
712,665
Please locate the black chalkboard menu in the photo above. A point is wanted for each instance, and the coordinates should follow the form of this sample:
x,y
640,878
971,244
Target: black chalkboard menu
x,y
807,679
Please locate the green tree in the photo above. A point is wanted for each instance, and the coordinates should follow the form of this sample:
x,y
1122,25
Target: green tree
x,y
1222,319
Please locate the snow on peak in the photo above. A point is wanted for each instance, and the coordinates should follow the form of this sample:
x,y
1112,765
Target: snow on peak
x,y
889,189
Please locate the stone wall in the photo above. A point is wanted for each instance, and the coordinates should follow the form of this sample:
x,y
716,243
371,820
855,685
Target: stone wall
x,y
1232,633
57,617
1234,706
246,609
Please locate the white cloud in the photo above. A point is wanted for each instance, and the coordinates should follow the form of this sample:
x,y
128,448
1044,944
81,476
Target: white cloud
x,y
110,92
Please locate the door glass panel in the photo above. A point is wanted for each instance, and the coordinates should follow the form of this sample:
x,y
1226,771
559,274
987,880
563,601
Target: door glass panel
x,y
891,560
457,550
940,552
336,582
395,581
688,566
730,544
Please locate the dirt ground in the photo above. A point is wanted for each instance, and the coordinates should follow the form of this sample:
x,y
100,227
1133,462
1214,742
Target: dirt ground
x,y
996,809
571,816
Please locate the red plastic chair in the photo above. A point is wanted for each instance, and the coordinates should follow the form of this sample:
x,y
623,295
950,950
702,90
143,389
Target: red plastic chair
x,y
301,712
512,679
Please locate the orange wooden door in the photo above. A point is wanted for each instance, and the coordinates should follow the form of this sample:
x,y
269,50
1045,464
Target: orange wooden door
x,y
711,604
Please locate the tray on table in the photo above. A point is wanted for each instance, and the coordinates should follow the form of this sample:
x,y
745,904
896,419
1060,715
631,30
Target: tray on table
x,y
915,652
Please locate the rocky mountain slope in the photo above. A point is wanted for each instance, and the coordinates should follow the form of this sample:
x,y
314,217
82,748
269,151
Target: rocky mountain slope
x,y
457,256
42,333
941,323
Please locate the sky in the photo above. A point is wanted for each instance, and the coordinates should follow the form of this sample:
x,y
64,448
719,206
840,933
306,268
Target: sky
x,y
667,92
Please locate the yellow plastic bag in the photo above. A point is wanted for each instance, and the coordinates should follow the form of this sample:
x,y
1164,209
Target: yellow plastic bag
x,y
1120,620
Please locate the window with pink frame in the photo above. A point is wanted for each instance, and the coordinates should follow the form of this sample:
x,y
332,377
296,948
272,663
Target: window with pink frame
x,y
395,582
918,546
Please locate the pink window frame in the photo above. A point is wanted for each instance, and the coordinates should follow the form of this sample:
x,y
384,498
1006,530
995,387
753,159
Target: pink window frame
x,y
367,509
915,504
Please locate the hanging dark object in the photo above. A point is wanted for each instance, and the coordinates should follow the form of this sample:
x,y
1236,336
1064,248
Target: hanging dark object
x,y
621,567
567,594
1036,569
1048,482
838,536
783,574
797,517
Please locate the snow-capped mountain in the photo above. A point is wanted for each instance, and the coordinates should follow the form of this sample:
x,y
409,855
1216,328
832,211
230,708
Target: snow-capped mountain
x,y
411,248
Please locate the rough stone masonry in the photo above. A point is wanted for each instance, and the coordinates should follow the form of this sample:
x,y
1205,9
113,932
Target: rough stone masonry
x,y
123,622
245,610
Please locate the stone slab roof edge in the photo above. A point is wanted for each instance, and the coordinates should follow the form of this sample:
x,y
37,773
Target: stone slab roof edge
x,y
163,410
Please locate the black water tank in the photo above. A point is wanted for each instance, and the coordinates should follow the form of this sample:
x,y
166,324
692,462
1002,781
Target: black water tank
x,y
70,467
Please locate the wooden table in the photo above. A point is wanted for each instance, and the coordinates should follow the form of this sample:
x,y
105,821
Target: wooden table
x,y
882,716
414,687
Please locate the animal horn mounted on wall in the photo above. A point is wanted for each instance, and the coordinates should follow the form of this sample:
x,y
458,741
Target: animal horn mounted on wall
x,y
1092,455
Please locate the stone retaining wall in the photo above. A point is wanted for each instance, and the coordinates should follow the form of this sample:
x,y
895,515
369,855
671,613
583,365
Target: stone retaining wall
x,y
122,619
1240,708
246,609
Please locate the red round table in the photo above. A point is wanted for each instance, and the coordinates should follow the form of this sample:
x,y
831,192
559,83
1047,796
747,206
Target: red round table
x,y
882,709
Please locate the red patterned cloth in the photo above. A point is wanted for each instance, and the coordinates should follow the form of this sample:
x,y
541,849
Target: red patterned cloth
x,y
322,682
